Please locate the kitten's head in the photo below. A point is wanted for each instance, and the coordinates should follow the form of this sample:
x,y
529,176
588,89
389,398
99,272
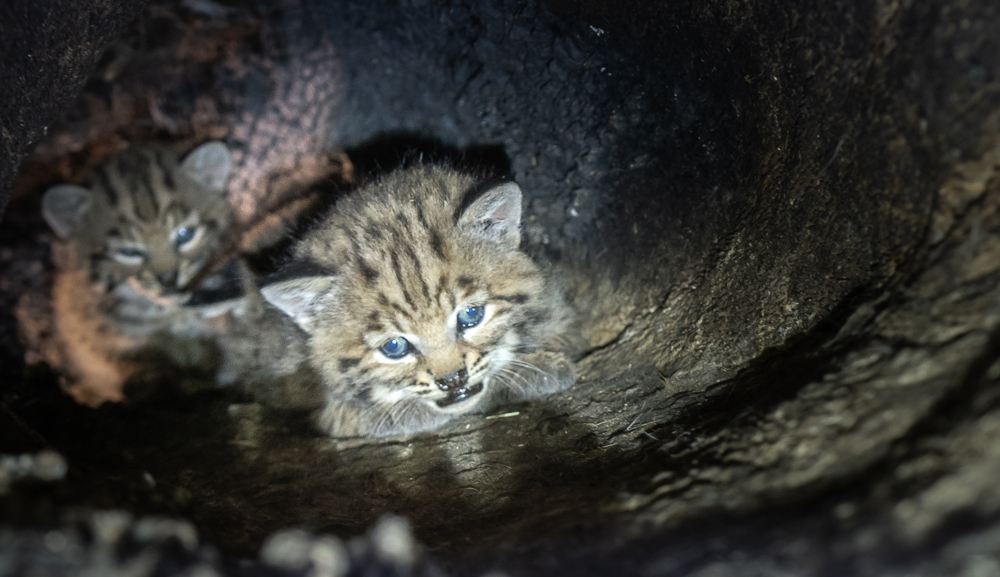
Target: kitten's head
x,y
143,215
419,294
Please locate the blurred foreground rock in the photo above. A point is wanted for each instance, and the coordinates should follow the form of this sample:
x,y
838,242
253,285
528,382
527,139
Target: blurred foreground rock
x,y
797,204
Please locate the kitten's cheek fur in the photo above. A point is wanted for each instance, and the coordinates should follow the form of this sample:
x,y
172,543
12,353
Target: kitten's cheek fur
x,y
384,395
340,419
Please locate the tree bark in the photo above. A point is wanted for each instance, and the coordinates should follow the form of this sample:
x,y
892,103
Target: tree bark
x,y
795,203
47,52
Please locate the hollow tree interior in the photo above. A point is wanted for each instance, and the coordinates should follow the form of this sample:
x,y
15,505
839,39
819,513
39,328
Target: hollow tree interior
x,y
796,203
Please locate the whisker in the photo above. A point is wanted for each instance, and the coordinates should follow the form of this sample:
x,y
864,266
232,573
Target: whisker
x,y
402,408
384,412
526,348
391,420
530,366
508,383
402,413
521,387
386,416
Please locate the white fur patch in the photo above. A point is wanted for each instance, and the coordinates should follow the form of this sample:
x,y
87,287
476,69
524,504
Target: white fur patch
x,y
300,298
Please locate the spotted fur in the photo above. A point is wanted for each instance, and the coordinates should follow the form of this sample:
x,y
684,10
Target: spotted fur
x,y
142,214
401,259
131,240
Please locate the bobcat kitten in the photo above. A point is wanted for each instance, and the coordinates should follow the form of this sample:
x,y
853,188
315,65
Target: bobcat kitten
x,y
420,306
130,241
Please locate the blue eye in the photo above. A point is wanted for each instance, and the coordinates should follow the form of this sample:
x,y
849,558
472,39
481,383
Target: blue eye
x,y
184,235
396,348
470,316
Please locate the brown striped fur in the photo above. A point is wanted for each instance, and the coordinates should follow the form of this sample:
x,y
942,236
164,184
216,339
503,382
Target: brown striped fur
x,y
135,203
122,270
401,258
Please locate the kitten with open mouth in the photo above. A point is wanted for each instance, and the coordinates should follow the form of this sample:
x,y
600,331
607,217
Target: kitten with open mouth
x,y
419,304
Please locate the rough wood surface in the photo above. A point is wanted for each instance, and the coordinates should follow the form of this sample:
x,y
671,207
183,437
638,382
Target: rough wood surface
x,y
798,205
47,52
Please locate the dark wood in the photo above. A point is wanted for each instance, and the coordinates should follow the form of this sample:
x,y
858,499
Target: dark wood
x,y
796,204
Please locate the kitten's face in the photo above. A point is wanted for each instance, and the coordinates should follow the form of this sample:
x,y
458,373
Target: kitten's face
x,y
429,301
163,255
445,350
145,218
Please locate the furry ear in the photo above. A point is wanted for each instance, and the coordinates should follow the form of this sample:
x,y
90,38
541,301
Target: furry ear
x,y
496,215
63,207
300,298
208,165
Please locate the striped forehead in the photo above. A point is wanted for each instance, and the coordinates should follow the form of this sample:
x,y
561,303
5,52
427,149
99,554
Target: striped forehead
x,y
414,286
389,311
407,277
142,187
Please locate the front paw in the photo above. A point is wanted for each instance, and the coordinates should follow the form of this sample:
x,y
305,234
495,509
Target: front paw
x,y
559,372
537,375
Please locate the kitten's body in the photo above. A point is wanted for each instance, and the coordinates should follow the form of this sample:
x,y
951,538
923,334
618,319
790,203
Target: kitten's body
x,y
428,260
130,242
262,351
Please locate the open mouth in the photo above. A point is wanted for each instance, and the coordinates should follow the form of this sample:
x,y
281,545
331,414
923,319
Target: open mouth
x,y
158,295
460,394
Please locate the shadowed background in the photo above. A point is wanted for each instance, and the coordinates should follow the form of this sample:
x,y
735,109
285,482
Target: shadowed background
x,y
796,203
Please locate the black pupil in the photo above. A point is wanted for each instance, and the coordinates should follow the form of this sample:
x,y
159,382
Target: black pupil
x,y
184,235
395,348
470,317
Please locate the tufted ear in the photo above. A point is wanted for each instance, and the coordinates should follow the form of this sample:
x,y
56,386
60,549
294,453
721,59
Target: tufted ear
x,y
301,298
208,165
63,207
496,215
